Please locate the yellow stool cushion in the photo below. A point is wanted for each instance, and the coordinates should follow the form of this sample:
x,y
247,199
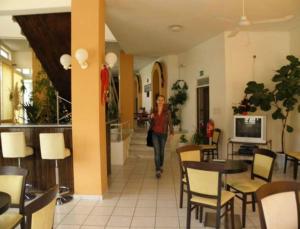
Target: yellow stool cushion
x,y
10,220
225,197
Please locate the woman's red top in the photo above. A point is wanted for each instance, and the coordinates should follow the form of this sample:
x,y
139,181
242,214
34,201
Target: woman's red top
x,y
159,122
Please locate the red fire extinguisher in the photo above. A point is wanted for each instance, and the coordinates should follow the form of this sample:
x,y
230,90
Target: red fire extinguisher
x,y
210,128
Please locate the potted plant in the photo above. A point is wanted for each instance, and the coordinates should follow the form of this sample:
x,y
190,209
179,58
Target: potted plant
x,y
283,98
176,101
42,105
182,140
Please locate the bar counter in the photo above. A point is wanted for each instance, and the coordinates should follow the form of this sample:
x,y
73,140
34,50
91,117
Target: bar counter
x,y
42,172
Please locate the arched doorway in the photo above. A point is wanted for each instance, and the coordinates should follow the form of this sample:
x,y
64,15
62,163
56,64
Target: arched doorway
x,y
159,79
155,87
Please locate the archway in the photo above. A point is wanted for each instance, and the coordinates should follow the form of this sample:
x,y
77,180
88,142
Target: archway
x,y
155,87
159,79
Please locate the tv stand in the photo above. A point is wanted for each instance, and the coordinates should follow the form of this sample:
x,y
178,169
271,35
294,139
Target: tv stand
x,y
232,142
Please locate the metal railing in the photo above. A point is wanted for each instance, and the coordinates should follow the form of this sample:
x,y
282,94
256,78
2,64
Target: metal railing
x,y
58,98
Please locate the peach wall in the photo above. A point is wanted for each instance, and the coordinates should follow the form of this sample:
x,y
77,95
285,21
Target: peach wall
x,y
88,115
126,88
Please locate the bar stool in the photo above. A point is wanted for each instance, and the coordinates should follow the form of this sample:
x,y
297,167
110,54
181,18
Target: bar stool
x,y
14,146
53,148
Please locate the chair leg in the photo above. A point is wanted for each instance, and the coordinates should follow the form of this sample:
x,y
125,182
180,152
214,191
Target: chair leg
x,y
253,202
232,213
295,168
244,204
218,218
285,163
197,213
181,195
201,214
188,215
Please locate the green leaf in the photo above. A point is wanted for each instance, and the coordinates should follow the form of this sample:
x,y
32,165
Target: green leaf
x,y
289,129
277,114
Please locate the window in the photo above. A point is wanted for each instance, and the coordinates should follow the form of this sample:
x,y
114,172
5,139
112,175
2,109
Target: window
x,y
5,53
26,71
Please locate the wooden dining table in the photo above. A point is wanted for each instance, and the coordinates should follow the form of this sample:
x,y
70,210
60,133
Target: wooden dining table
x,y
230,167
5,200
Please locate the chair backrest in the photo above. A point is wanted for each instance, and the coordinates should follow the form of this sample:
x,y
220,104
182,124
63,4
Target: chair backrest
x,y
263,164
204,179
216,136
189,153
52,146
13,144
278,205
40,213
12,181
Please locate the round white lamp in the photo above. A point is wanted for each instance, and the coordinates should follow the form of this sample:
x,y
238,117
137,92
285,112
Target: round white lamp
x,y
65,61
81,56
111,59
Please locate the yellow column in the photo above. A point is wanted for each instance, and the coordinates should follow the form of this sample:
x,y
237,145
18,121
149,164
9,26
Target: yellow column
x,y
126,88
88,115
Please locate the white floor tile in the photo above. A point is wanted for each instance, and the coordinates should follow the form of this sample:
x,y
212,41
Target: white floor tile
x,y
119,221
143,222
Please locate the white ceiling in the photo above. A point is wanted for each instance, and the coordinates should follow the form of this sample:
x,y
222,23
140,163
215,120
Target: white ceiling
x,y
16,45
141,26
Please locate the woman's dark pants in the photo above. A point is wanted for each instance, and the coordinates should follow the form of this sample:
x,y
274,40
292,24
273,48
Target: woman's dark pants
x,y
159,142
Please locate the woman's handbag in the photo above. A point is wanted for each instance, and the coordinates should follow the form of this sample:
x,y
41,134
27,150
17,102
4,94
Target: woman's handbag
x,y
149,138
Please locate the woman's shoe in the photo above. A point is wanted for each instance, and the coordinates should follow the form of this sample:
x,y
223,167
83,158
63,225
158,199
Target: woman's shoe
x,y
158,174
161,169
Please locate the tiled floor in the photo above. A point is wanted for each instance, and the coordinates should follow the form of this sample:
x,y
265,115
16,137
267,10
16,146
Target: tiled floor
x,y
136,199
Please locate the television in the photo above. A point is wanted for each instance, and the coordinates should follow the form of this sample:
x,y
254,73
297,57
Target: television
x,y
249,129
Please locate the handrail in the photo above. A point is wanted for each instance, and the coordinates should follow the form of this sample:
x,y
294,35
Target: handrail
x,y
57,107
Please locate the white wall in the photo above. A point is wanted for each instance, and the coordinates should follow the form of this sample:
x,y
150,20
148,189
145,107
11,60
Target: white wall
x,y
270,49
229,63
23,59
294,140
209,57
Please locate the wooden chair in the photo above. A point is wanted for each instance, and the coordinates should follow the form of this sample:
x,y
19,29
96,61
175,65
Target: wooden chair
x,y
40,212
278,205
187,153
205,190
262,168
212,149
12,181
295,158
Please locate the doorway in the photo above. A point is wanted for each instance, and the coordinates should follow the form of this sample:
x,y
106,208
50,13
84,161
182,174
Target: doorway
x,y
203,109
155,87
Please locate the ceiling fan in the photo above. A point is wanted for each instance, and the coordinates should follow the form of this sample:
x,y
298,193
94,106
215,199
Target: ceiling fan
x,y
245,22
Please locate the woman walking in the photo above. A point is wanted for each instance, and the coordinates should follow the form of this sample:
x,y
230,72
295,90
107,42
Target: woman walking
x,y
161,122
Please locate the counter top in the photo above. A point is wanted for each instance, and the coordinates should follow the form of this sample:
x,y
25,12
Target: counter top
x,y
34,125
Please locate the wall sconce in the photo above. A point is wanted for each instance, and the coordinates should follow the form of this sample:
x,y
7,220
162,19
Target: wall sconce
x,y
111,59
65,61
81,56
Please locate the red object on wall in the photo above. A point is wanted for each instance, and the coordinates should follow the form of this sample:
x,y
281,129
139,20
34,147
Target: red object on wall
x,y
210,128
104,83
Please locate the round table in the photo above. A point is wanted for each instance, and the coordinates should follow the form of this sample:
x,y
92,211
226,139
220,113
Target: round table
x,y
231,167
235,166
5,200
